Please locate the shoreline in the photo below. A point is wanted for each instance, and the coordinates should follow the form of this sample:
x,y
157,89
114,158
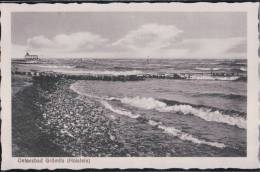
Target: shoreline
x,y
60,121
67,124
26,136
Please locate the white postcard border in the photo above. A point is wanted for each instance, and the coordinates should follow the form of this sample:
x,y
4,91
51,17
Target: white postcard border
x,y
251,161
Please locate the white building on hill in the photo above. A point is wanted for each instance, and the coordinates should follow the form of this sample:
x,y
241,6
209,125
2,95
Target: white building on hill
x,y
31,57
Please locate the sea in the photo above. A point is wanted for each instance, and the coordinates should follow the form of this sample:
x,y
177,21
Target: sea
x,y
200,116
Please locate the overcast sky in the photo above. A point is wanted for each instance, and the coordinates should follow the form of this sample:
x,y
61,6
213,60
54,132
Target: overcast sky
x,y
130,35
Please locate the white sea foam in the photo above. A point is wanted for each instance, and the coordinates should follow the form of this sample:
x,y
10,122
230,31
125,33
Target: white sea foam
x,y
99,72
118,111
74,88
227,78
55,66
243,69
106,104
208,77
111,98
184,136
169,130
150,103
144,102
204,68
204,113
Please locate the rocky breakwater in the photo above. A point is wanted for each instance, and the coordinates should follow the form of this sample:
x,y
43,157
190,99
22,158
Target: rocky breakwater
x,y
79,127
102,77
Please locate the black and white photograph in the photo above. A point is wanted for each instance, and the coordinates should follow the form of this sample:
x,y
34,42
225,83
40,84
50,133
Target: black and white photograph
x,y
130,84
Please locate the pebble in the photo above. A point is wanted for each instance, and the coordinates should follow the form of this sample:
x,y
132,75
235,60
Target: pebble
x,y
80,126
112,137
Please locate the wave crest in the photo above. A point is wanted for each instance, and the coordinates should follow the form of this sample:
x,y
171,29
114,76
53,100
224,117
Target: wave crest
x,y
219,78
118,111
101,72
204,113
206,69
144,103
243,69
188,137
169,130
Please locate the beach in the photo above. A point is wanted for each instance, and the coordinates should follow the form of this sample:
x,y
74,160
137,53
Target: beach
x,y
58,114
60,125
26,136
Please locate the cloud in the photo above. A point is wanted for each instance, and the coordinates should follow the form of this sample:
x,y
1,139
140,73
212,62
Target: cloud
x,y
80,41
19,51
39,42
153,40
167,41
213,47
149,36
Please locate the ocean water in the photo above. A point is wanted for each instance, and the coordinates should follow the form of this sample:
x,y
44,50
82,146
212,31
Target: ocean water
x,y
201,116
183,110
142,66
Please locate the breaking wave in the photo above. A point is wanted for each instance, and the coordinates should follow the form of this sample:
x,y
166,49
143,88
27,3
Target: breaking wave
x,y
149,103
184,136
243,69
55,66
74,88
206,114
219,78
206,69
118,111
169,130
99,72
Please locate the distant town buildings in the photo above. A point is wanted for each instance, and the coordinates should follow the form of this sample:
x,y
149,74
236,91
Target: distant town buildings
x,y
31,57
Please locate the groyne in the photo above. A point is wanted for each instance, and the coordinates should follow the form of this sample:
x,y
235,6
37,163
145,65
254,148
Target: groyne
x,y
137,77
132,77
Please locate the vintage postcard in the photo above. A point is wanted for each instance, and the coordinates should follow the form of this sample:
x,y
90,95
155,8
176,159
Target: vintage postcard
x,y
130,86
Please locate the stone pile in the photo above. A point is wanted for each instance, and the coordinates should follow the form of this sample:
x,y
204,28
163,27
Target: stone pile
x,y
79,127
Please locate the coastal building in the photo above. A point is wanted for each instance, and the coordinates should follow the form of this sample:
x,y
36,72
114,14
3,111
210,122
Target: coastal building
x,y
31,57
